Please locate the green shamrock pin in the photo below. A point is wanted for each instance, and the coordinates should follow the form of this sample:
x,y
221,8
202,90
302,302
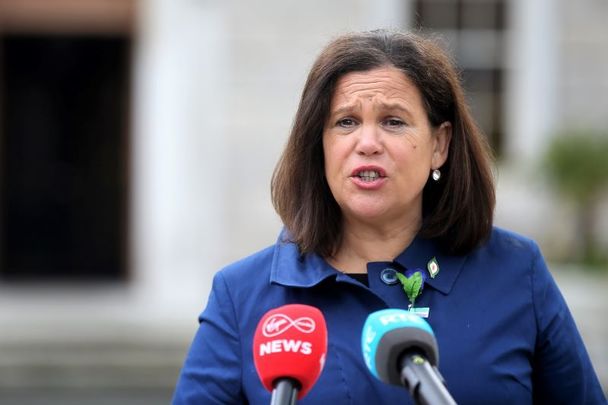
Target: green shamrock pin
x,y
413,283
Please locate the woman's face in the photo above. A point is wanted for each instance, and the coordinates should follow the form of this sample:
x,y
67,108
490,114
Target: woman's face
x,y
379,147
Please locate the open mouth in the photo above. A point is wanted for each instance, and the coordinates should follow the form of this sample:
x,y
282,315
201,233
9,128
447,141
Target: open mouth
x,y
368,175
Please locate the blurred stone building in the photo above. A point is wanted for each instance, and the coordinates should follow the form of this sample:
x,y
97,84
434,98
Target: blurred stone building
x,y
137,141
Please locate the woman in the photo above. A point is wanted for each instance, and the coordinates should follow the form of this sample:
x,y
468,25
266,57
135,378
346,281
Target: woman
x,y
385,175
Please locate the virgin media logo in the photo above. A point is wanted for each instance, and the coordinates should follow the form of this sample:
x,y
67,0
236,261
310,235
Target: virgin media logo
x,y
279,323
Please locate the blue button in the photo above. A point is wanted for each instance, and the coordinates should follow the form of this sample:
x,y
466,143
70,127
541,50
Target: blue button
x,y
389,276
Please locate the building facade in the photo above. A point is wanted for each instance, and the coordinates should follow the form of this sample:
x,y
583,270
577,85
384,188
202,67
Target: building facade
x,y
207,94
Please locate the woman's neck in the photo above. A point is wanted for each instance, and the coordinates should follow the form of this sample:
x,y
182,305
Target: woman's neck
x,y
363,243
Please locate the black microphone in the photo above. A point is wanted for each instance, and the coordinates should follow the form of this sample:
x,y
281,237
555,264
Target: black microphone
x,y
399,348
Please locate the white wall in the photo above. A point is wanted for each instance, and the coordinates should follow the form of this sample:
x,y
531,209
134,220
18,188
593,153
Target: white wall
x,y
179,144
531,78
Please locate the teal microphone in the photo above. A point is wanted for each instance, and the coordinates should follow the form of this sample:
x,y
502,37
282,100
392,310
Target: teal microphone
x,y
399,348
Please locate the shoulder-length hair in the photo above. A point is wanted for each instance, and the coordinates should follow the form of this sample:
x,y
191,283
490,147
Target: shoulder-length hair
x,y
457,210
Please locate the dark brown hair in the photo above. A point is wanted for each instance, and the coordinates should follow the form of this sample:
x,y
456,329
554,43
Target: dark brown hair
x,y
457,210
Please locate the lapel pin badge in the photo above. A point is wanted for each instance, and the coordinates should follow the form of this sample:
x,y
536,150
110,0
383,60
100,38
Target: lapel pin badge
x,y
433,267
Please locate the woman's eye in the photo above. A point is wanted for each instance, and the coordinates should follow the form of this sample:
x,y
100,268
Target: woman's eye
x,y
394,122
346,122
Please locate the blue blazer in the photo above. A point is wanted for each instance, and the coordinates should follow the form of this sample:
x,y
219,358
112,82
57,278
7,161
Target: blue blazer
x,y
504,332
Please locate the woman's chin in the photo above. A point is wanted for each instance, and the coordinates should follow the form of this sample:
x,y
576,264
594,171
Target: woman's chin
x,y
379,212
366,213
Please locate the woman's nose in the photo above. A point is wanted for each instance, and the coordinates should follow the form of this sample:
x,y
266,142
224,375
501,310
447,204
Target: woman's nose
x,y
369,141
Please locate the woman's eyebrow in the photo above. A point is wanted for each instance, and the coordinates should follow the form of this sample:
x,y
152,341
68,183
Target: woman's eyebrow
x,y
345,109
350,108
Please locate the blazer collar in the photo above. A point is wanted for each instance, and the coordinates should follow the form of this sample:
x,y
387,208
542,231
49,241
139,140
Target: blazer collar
x,y
421,251
290,268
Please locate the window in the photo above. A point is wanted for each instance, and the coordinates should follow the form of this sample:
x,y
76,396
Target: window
x,y
473,30
64,101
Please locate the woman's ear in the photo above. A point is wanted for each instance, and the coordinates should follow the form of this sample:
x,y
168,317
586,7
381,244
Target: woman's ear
x,y
443,136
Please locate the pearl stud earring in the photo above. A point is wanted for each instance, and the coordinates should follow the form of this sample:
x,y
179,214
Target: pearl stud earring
x,y
436,175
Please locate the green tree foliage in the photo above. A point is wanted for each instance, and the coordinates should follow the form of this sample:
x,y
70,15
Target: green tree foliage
x,y
577,164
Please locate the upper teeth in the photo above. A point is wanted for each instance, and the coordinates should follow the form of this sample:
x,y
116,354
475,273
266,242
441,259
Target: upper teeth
x,y
369,174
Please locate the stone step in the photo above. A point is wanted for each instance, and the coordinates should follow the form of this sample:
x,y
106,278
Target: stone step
x,y
89,365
